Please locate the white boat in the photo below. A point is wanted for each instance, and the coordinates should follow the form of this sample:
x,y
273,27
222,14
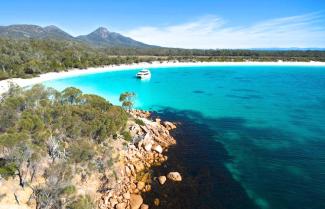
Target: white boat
x,y
143,74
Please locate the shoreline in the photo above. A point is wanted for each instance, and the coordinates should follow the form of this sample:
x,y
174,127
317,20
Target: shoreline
x,y
4,84
151,142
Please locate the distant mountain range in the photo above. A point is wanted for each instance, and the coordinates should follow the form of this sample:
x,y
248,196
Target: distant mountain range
x,y
288,49
99,38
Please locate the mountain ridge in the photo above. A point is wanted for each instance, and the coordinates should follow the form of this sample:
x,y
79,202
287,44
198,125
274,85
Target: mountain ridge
x,y
101,37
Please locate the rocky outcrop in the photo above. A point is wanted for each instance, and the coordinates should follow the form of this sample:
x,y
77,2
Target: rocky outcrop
x,y
150,141
169,126
140,114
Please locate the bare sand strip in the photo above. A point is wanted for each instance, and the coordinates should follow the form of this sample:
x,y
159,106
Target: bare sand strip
x,y
4,84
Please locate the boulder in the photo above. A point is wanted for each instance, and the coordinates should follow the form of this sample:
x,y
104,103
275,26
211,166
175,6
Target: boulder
x,y
120,199
148,147
169,125
162,179
121,205
128,171
174,176
133,186
141,185
113,201
157,148
127,196
135,201
148,188
144,206
139,166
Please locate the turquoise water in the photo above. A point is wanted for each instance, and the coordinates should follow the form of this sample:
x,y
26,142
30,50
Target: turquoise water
x,y
270,121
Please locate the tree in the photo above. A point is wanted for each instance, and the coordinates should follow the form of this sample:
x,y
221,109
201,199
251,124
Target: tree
x,y
127,100
71,95
95,101
21,156
54,149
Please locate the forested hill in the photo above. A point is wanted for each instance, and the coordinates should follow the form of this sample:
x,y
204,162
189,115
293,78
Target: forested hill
x,y
29,57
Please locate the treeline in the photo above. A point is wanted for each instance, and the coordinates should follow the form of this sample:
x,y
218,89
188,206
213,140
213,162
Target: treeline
x,y
26,58
57,136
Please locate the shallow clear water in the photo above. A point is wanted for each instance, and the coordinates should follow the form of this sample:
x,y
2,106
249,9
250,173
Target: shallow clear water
x,y
270,120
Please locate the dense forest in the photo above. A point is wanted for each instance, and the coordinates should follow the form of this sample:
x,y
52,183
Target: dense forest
x,y
26,58
61,134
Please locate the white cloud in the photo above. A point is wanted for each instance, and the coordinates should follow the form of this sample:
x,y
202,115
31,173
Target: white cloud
x,y
212,32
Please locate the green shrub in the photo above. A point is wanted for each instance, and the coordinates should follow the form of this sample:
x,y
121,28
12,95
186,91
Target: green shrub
x,y
82,203
81,151
127,136
139,122
69,190
8,170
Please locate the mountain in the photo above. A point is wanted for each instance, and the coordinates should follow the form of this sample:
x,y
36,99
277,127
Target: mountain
x,y
103,38
33,31
99,38
56,32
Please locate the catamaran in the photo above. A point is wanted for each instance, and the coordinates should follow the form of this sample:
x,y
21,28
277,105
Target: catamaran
x,y
143,74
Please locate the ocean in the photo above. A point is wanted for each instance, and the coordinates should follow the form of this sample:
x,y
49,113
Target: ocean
x,y
250,136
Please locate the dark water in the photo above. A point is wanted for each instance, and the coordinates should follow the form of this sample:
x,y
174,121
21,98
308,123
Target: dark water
x,y
251,135
207,183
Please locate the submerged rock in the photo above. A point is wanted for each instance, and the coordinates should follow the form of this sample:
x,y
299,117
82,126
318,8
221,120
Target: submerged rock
x,y
162,179
156,202
174,176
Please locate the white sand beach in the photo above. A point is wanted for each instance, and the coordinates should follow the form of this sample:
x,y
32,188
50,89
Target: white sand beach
x,y
4,84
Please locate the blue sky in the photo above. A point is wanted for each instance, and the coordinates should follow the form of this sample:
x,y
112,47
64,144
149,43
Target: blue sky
x,y
180,23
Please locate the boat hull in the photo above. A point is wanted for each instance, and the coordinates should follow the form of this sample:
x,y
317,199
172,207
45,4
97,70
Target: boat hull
x,y
142,77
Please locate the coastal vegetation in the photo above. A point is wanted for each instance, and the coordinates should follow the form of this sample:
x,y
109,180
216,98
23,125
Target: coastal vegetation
x,y
30,57
52,137
127,100
78,151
